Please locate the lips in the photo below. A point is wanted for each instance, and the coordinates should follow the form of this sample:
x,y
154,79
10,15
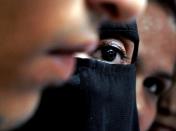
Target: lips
x,y
62,61
70,50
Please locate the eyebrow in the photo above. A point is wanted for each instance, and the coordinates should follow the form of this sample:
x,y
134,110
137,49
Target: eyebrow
x,y
159,73
164,75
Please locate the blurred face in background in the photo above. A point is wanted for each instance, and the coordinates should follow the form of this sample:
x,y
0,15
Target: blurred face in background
x,y
166,115
38,40
156,61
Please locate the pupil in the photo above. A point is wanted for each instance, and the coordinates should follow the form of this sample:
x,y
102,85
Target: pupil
x,y
108,54
149,82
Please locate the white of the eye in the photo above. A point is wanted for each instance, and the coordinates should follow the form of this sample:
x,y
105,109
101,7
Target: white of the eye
x,y
118,59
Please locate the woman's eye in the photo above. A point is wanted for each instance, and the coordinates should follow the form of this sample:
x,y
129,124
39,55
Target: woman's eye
x,y
154,85
111,52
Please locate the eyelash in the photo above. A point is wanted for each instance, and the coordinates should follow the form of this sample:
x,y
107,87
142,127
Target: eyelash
x,y
111,51
117,49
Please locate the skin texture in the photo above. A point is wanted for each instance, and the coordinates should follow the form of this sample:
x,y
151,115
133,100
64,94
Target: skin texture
x,y
166,115
156,60
38,40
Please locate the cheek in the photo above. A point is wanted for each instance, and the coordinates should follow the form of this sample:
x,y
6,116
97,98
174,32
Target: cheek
x,y
28,25
46,22
146,106
37,15
19,109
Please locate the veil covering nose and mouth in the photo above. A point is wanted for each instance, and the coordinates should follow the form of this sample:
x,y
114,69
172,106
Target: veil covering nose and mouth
x,y
99,96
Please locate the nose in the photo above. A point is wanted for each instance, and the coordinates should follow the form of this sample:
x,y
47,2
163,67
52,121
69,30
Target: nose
x,y
167,103
119,9
145,105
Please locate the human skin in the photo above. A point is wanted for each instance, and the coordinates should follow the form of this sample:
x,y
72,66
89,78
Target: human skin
x,y
38,40
156,61
166,113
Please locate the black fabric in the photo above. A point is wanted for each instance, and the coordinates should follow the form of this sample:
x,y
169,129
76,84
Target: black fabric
x,y
99,97
126,30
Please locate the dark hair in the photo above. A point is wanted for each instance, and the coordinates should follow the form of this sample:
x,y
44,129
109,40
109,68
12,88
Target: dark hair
x,y
169,5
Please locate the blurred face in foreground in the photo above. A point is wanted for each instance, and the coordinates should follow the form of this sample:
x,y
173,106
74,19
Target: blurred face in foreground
x,y
38,39
156,61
